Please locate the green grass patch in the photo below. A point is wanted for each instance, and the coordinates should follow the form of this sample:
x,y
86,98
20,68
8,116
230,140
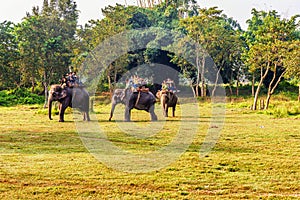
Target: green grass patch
x,y
257,156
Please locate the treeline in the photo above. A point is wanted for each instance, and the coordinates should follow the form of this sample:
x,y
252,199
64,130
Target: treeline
x,y
38,51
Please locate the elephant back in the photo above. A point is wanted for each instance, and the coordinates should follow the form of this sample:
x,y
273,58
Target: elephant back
x,y
80,97
172,98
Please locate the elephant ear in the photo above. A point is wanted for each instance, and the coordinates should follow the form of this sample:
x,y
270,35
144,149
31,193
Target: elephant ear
x,y
123,95
63,94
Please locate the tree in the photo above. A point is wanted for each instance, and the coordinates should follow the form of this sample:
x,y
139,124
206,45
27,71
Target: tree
x,y
215,36
9,55
46,38
269,41
292,60
117,20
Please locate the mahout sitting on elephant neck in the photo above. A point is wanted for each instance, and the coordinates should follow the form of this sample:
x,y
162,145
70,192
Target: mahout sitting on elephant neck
x,y
71,80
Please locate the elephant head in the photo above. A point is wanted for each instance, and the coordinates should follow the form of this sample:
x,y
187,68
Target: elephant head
x,y
167,99
56,93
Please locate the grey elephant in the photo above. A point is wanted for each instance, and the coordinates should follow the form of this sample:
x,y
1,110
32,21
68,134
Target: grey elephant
x,y
141,100
117,98
69,97
167,100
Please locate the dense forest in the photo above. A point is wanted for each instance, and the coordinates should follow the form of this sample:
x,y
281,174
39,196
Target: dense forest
x,y
49,42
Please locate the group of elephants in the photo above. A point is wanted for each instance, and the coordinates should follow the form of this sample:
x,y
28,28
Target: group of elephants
x,y
78,97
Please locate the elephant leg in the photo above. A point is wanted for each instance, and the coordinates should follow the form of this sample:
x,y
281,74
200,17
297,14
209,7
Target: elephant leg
x,y
87,109
163,106
173,111
87,116
163,109
62,109
127,114
112,111
166,111
152,113
84,116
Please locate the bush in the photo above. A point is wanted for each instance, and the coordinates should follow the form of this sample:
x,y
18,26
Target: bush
x,y
19,96
284,110
286,86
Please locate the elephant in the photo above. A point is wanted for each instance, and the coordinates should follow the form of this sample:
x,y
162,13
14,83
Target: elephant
x,y
74,97
117,98
167,99
140,100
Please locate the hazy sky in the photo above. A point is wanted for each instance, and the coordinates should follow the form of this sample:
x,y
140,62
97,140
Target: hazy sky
x,y
15,10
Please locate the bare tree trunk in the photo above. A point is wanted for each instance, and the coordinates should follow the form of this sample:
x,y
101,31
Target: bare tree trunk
x,y
237,88
198,72
203,86
230,84
46,95
261,104
32,84
256,95
194,92
253,85
109,79
237,83
272,89
230,89
216,83
262,78
299,93
45,89
115,77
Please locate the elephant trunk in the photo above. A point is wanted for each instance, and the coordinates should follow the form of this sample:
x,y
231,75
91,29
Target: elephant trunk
x,y
49,107
112,111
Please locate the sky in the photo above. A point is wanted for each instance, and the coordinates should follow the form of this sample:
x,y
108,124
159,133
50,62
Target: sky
x,y
15,10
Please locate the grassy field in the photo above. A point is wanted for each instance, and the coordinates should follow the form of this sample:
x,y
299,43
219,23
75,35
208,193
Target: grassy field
x,y
256,156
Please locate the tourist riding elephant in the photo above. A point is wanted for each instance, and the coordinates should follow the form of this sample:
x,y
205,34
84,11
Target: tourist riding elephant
x,y
167,99
69,97
141,100
121,96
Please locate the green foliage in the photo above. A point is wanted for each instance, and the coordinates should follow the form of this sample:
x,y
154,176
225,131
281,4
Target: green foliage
x,y
284,110
272,49
40,49
19,97
9,54
46,39
288,88
216,36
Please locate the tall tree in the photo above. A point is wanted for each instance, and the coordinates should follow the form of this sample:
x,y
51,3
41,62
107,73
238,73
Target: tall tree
x,y
216,36
292,60
46,39
116,20
269,40
9,55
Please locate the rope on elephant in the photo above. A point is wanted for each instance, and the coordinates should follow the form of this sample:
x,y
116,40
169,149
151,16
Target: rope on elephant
x,y
138,99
